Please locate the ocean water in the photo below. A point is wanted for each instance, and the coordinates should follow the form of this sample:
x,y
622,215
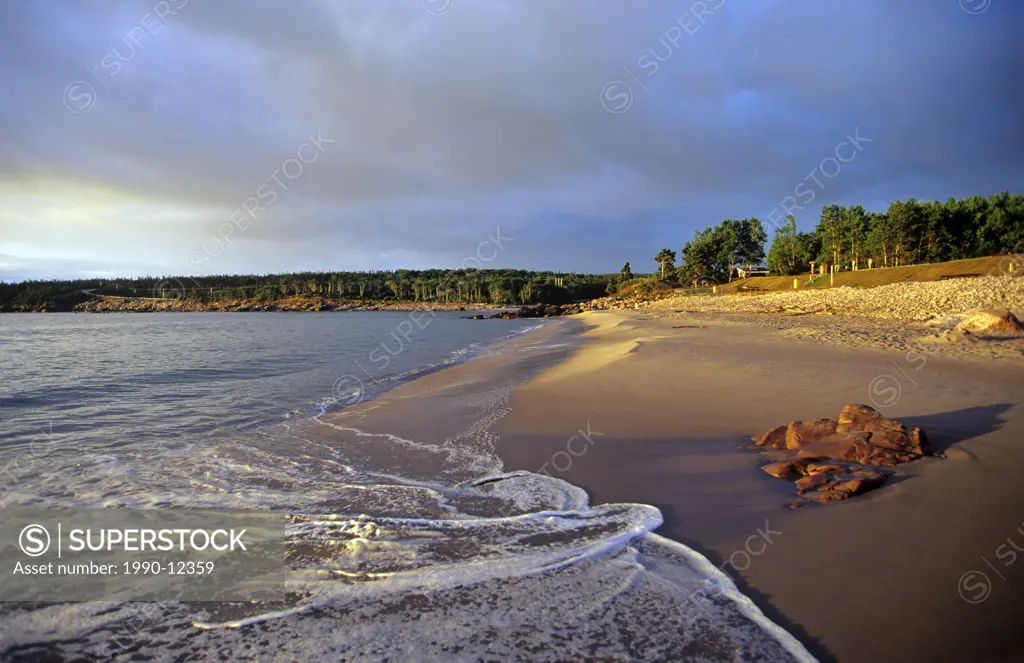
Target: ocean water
x,y
410,540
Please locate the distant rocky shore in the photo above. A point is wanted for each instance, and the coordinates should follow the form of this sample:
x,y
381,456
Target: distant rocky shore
x,y
108,304
534,311
298,305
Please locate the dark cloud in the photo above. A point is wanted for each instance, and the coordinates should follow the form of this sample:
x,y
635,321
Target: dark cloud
x,y
447,126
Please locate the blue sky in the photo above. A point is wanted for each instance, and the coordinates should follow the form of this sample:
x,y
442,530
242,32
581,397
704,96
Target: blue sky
x,y
191,137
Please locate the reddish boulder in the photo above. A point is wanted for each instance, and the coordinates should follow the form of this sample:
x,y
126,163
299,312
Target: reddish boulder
x,y
796,468
798,433
811,482
919,441
860,482
818,468
782,470
864,418
849,486
840,447
897,440
884,457
861,436
775,438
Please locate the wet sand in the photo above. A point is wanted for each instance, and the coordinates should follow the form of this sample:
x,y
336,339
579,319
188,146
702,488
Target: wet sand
x,y
919,570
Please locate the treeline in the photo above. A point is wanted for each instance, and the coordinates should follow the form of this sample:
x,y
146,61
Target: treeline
x,y
909,232
451,286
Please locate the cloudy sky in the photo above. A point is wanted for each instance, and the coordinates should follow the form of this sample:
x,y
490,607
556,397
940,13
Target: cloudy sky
x,y
197,137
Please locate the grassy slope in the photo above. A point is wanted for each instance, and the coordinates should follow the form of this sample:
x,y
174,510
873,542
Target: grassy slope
x,y
868,278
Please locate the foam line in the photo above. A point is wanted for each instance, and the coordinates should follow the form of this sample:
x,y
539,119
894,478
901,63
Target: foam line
x,y
728,589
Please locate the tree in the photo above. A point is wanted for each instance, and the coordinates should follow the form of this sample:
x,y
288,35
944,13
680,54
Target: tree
x,y
906,222
782,256
808,246
854,227
880,239
627,272
830,232
700,258
666,258
752,240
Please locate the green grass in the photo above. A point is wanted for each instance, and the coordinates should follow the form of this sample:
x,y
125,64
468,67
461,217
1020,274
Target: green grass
x,y
870,278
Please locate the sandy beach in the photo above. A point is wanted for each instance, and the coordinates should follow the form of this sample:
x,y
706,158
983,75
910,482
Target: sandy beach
x,y
921,569
426,528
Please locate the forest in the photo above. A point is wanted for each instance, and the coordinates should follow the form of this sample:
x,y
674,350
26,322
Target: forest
x,y
909,232
487,286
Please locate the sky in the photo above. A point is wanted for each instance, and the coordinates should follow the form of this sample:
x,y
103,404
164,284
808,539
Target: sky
x,y
192,137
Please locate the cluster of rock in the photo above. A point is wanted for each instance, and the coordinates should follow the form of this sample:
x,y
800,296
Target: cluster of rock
x,y
620,303
826,482
23,308
613,303
532,311
832,459
911,301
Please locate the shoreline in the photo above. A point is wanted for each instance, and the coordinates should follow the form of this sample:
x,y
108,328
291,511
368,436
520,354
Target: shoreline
x,y
111,304
539,310
438,405
673,403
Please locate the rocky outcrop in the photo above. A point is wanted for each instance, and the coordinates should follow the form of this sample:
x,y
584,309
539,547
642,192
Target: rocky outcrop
x,y
109,304
861,434
830,459
818,480
533,311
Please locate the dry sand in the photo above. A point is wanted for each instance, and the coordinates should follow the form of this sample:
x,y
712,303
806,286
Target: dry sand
x,y
882,577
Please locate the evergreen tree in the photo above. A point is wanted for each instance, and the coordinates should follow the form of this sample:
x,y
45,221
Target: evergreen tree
x,y
666,260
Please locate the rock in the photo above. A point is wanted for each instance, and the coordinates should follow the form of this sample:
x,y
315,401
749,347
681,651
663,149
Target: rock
x,y
871,476
775,438
782,470
847,487
859,484
861,437
796,468
884,457
919,441
999,320
822,496
818,468
811,482
799,433
897,440
861,418
840,447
